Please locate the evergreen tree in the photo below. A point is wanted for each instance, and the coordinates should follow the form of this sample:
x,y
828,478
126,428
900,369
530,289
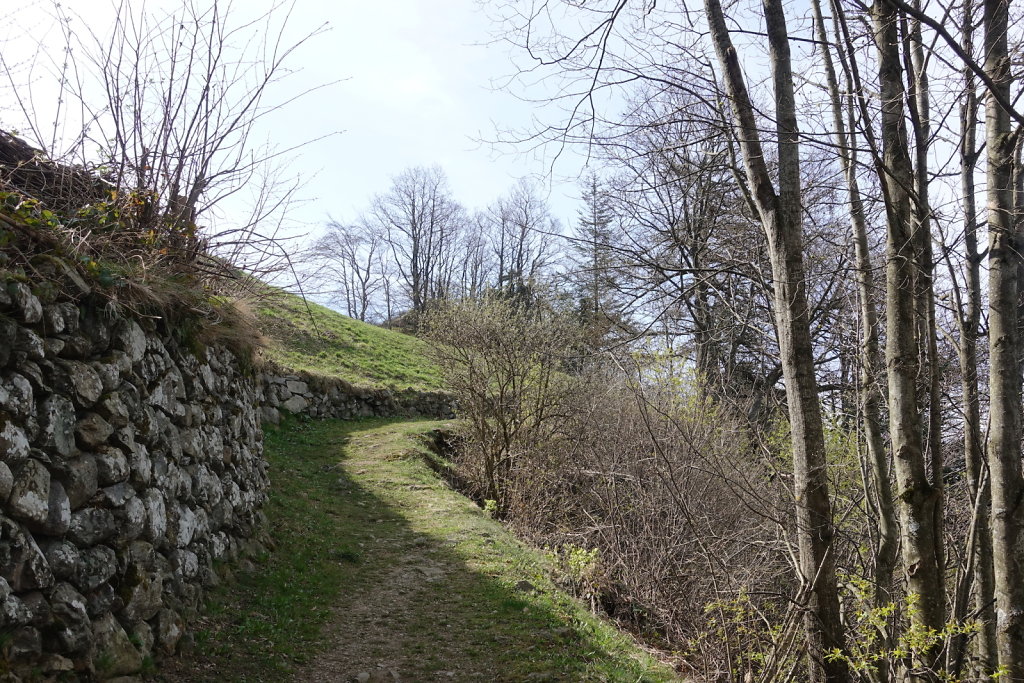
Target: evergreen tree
x,y
594,275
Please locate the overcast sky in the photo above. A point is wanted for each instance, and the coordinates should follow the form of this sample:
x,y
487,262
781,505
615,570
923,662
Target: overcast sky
x,y
420,84
423,86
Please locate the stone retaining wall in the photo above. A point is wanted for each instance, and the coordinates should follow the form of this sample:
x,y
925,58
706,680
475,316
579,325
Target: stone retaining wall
x,y
129,466
327,397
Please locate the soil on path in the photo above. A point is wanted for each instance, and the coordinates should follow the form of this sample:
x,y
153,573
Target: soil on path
x,y
433,589
409,625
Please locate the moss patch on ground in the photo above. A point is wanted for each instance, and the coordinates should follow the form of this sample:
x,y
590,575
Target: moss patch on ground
x,y
316,339
380,567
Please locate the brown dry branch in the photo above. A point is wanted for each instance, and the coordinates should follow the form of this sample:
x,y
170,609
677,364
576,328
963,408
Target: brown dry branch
x,y
63,229
657,504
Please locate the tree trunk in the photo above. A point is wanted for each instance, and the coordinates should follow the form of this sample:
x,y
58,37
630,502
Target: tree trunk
x,y
1004,450
869,393
917,495
920,105
979,562
780,217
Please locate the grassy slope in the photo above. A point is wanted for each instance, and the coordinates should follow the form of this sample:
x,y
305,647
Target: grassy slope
x,y
353,509
329,343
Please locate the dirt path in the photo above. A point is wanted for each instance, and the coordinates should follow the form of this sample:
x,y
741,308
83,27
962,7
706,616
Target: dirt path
x,y
423,585
376,634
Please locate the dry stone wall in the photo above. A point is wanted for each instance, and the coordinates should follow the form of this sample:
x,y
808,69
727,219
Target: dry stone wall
x,y
130,468
328,397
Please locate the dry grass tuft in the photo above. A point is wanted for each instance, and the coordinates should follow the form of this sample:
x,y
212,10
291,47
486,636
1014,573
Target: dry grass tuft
x,y
67,227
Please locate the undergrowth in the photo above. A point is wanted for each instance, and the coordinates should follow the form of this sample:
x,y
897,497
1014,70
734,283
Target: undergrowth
x,y
68,233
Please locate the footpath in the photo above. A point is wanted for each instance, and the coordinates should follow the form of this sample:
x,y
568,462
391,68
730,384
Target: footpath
x,y
381,572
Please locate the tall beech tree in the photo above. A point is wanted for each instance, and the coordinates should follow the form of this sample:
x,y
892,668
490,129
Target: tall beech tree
x,y
421,222
780,214
976,577
869,392
1003,448
918,497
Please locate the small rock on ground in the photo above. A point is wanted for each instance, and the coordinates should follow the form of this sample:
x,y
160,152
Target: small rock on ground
x,y
379,676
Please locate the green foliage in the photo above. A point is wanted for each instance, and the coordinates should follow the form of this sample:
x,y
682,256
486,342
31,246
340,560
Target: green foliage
x,y
580,568
112,240
843,457
751,637
105,234
841,452
30,211
105,215
105,273
680,394
108,215
867,623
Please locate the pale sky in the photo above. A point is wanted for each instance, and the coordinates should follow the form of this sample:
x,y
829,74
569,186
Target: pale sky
x,y
420,84
423,87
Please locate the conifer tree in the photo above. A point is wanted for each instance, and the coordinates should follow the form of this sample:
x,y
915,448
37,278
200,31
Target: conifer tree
x,y
594,275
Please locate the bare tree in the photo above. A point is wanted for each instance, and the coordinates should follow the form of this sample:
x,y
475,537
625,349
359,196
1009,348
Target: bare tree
x,y
692,245
918,497
779,211
870,394
478,270
523,236
893,132
1004,448
172,101
348,263
422,224
504,362
978,572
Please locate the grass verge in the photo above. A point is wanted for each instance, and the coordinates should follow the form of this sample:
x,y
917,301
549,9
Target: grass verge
x,y
325,342
381,566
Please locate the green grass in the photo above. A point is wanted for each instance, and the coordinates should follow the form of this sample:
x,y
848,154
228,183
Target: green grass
x,y
329,343
377,559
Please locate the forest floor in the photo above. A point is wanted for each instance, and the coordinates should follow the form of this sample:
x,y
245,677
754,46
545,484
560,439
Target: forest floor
x,y
382,572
